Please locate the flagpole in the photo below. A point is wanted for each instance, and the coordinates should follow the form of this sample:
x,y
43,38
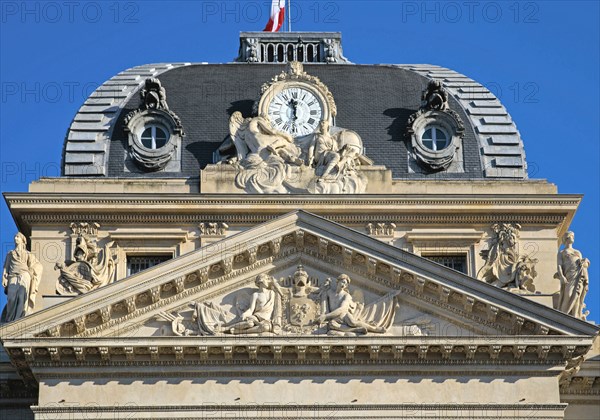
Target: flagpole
x,y
289,15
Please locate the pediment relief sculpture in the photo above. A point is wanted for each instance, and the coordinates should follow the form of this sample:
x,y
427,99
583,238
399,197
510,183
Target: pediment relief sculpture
x,y
306,307
504,266
91,269
290,145
572,272
21,277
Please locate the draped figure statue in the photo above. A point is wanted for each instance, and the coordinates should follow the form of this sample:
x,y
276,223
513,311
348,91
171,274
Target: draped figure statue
x,y
572,271
20,278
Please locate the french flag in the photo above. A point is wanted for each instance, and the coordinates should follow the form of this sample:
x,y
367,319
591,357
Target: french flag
x,y
277,16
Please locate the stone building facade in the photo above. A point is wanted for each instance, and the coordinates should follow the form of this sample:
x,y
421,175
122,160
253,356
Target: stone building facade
x,y
292,235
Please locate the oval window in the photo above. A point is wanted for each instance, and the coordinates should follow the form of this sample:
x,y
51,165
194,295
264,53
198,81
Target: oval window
x,y
154,137
434,138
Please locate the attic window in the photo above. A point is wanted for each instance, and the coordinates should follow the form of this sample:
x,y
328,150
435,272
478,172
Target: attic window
x,y
138,263
455,262
154,137
434,138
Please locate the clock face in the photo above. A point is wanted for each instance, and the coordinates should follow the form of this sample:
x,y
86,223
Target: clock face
x,y
296,111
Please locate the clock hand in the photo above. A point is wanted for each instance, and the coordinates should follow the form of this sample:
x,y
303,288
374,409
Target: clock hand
x,y
294,105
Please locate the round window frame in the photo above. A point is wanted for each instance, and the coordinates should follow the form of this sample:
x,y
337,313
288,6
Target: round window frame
x,y
147,158
436,160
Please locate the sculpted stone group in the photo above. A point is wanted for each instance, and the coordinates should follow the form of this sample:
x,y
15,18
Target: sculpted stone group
x,y
272,161
504,267
307,154
92,268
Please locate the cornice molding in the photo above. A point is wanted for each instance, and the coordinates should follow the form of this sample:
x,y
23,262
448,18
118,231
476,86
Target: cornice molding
x,y
315,411
30,209
442,352
338,201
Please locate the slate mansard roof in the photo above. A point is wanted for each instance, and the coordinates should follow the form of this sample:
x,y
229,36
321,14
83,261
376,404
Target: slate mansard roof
x,y
373,100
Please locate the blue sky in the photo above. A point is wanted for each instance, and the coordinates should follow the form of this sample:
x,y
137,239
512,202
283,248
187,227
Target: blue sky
x,y
541,58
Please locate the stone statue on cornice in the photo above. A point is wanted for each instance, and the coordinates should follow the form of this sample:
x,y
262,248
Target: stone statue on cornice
x,y
20,278
572,271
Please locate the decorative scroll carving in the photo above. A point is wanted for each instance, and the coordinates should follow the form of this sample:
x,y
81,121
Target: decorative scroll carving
x,y
381,229
302,308
153,112
434,114
20,279
504,266
573,275
92,268
153,95
84,228
213,228
572,368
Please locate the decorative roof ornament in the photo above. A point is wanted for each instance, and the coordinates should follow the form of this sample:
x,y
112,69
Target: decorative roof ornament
x,y
153,114
300,275
290,144
283,47
435,96
434,115
154,95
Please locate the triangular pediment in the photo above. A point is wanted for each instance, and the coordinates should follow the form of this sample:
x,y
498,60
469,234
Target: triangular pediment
x,y
157,316
222,272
